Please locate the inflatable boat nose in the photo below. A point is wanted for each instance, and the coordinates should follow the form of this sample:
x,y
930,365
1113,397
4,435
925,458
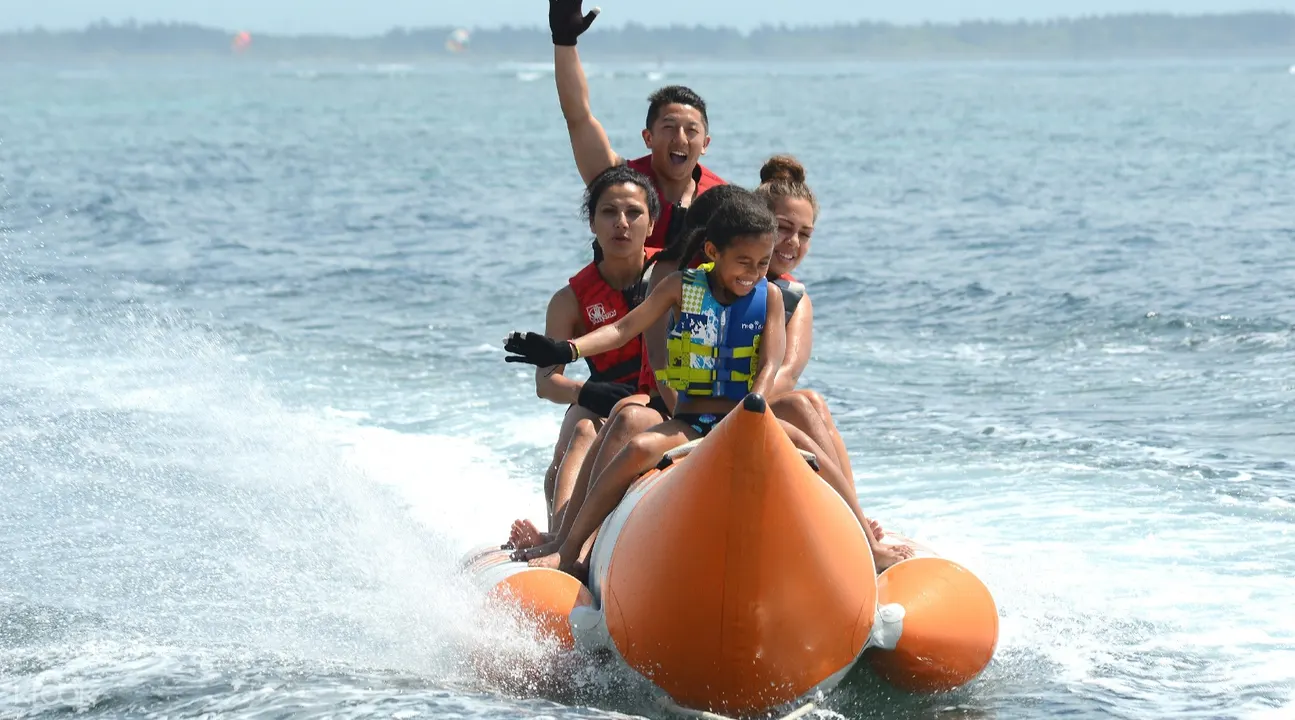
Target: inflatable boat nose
x,y
740,581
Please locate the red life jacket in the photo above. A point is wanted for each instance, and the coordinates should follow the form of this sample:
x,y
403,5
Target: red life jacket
x,y
646,377
602,304
662,232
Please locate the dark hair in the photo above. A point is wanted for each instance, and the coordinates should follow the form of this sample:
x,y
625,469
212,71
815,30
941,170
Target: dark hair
x,y
672,95
740,215
784,177
611,177
700,213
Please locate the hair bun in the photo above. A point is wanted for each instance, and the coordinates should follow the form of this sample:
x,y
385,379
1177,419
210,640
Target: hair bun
x,y
782,168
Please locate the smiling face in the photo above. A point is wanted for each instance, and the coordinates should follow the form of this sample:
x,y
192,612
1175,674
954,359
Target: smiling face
x,y
621,222
677,140
795,228
740,265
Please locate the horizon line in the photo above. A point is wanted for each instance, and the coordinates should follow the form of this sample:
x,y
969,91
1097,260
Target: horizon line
x,y
780,27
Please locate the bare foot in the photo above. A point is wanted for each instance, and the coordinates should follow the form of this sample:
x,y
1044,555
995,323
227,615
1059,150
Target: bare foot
x,y
525,535
540,550
887,555
555,561
550,561
877,532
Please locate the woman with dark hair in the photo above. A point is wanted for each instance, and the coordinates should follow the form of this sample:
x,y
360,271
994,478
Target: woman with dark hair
x,y
621,206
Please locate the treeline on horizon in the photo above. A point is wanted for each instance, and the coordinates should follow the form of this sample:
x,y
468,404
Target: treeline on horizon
x,y
1257,33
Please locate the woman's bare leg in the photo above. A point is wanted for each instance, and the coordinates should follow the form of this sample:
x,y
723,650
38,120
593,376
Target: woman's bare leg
x,y
808,411
582,441
883,555
640,455
626,422
524,530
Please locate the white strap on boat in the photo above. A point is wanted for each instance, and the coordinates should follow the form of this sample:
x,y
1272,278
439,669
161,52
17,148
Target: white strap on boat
x,y
680,452
669,457
887,627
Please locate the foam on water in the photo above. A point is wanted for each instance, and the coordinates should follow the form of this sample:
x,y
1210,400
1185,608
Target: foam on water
x,y
167,516
1115,600
454,486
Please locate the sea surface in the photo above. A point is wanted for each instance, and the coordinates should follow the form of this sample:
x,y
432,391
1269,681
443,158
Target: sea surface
x,y
253,403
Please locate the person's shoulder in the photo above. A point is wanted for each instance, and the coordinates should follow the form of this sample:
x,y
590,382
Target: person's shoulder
x,y
642,164
564,298
673,281
773,293
676,277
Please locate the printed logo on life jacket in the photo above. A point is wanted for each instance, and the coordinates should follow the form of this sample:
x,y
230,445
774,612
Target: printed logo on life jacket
x,y
753,325
599,314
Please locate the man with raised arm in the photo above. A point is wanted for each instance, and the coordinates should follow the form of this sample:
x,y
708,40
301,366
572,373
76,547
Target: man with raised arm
x,y
676,132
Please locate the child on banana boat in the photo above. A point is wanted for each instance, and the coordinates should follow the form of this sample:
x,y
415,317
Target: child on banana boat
x,y
739,242
796,209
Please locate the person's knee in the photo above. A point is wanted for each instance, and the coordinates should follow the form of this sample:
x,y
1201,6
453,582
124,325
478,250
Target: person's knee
x,y
644,447
584,431
815,400
794,408
638,400
631,421
639,418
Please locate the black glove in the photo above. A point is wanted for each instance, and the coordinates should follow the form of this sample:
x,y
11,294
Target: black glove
x,y
566,23
539,350
601,397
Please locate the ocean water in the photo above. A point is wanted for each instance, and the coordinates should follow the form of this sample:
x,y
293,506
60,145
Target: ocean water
x,y
253,405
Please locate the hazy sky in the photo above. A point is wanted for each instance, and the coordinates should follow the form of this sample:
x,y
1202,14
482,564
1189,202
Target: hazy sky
x,y
375,16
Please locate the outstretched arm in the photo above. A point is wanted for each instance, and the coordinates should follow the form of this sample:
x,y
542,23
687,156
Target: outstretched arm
x,y
800,344
609,337
545,351
773,343
589,143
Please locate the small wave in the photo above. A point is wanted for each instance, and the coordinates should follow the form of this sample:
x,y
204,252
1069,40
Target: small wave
x,y
386,68
1110,349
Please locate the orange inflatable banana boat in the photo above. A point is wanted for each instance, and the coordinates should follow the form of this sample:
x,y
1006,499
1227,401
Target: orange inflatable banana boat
x,y
738,582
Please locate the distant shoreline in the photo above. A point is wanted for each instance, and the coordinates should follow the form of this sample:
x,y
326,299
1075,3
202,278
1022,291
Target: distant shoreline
x,y
1256,34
